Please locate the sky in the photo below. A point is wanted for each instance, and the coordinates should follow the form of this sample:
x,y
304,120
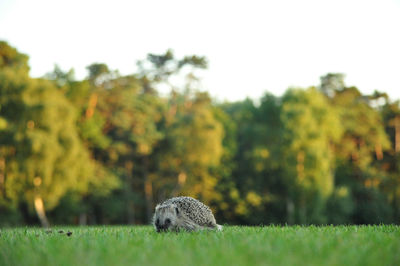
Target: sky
x,y
252,46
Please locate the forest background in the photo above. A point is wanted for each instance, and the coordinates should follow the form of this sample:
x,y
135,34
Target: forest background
x,y
107,148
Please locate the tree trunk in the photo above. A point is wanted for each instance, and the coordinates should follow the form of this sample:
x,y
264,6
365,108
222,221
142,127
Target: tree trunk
x,y
130,207
83,218
148,190
300,166
40,211
91,106
149,199
181,182
397,134
289,211
130,212
378,151
2,176
302,212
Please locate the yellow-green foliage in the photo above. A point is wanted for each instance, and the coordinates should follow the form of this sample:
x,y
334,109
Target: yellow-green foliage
x,y
311,127
43,153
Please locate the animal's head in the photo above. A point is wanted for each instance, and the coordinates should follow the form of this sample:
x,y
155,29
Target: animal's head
x,y
166,217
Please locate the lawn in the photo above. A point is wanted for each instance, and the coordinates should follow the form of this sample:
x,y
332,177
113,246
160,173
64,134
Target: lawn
x,y
269,245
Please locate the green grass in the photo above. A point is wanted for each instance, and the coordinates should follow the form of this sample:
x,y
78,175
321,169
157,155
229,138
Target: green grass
x,y
271,245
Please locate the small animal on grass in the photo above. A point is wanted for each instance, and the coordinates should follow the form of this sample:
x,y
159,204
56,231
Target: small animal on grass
x,y
183,213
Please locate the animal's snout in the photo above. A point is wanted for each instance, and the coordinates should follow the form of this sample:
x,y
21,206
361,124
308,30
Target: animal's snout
x,y
162,228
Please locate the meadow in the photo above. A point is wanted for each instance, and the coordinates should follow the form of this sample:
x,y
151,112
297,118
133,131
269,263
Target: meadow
x,y
141,245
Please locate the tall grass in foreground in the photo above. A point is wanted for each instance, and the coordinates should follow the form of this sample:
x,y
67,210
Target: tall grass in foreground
x,y
134,245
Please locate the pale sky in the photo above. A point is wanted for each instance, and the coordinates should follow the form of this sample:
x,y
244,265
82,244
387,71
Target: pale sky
x,y
252,46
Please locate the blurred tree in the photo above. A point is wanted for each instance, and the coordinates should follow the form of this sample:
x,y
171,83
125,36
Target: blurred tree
x,y
226,186
131,118
360,152
99,73
310,127
84,96
331,83
158,70
243,114
193,137
258,190
192,145
106,148
391,161
12,65
11,59
42,155
60,77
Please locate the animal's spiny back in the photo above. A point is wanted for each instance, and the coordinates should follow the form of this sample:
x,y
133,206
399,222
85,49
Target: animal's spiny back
x,y
194,209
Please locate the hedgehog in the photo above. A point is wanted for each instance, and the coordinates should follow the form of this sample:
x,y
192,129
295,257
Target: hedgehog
x,y
183,213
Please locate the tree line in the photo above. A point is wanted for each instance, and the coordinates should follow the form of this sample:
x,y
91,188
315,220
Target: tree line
x,y
106,149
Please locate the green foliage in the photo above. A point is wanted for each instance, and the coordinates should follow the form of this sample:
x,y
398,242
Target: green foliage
x,y
192,146
340,206
308,158
309,110
41,152
107,148
39,145
11,58
60,77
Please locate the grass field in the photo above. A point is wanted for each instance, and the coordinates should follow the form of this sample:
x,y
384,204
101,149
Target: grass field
x,y
270,245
